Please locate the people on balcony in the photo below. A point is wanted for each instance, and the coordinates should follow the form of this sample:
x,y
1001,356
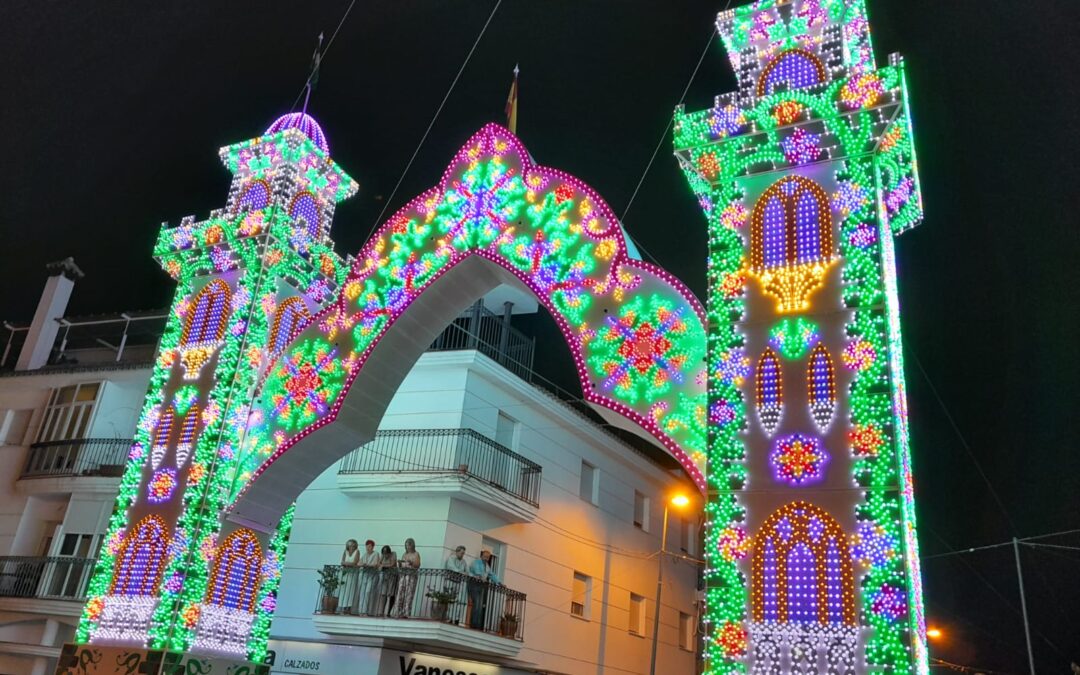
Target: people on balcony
x,y
409,564
367,596
481,576
350,575
456,563
388,581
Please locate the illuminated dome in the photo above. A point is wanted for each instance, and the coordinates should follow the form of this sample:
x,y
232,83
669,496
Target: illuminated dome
x,y
305,123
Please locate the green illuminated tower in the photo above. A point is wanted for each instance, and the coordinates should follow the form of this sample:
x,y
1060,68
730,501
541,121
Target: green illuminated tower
x,y
173,575
805,174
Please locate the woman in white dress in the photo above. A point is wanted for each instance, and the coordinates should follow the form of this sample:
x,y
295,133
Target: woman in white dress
x,y
369,579
350,576
410,566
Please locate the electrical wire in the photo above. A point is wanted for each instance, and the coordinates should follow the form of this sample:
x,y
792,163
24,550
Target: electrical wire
x,y
322,55
964,443
386,204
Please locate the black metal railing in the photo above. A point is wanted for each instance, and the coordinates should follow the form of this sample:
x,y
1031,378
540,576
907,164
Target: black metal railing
x,y
77,457
448,450
480,329
422,595
48,578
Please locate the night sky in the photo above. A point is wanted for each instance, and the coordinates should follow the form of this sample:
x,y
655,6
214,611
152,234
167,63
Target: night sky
x,y
113,116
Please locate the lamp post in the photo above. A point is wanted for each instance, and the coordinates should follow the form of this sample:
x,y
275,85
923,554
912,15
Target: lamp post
x,y
678,501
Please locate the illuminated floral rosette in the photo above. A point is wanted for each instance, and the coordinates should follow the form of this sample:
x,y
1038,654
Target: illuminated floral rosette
x,y
644,350
798,459
304,386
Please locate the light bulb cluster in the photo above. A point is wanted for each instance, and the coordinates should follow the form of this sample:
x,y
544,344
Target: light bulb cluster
x,y
798,460
821,386
769,390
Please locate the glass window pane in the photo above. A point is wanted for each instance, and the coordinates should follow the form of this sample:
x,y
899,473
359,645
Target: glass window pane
x,y
88,392
66,395
68,545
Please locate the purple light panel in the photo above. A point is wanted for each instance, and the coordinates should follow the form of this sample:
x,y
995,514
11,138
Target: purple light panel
x,y
304,206
791,70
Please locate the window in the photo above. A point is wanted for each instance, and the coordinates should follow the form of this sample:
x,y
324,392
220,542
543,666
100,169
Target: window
x,y
587,489
506,431
581,596
68,414
497,549
637,615
641,511
686,631
140,559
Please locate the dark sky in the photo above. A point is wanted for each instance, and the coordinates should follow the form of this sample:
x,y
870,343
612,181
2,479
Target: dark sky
x,y
113,113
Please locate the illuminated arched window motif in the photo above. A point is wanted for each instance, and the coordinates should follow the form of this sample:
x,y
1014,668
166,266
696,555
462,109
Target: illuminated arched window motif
x,y
769,390
188,431
141,558
305,206
802,570
207,316
821,386
234,577
791,240
256,195
162,432
290,315
791,69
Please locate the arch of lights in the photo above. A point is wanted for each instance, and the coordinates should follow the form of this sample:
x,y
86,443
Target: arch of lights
x,y
805,173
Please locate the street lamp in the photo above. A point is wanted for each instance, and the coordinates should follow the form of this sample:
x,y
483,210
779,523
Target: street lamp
x,y
679,501
933,633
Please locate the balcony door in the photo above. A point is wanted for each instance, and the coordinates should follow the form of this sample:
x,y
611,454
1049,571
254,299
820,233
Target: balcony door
x,y
68,571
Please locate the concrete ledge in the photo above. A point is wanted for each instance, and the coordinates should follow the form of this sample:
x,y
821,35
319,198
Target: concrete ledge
x,y
419,631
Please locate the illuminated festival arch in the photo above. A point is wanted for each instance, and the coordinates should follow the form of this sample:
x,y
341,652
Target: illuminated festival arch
x,y
280,358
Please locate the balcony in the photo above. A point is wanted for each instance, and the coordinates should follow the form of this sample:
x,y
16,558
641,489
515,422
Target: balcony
x,y
86,464
434,607
55,585
458,461
78,457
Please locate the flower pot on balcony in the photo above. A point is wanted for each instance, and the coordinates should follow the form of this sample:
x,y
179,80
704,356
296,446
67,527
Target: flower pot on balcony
x,y
508,627
329,604
439,611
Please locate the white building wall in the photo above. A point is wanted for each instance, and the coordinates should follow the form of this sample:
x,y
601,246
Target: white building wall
x,y
467,390
445,390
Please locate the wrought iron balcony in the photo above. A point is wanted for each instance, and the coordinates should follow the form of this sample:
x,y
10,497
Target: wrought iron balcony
x,y
46,578
434,596
77,457
462,451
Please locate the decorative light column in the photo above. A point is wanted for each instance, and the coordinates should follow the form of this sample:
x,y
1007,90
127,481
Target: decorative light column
x,y
172,576
805,174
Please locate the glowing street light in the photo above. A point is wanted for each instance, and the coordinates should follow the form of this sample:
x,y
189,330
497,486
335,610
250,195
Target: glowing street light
x,y
934,633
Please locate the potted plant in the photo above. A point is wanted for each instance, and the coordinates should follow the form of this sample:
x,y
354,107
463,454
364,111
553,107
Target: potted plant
x,y
329,580
508,625
440,602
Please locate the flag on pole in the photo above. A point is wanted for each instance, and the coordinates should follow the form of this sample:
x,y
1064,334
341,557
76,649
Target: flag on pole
x,y
512,104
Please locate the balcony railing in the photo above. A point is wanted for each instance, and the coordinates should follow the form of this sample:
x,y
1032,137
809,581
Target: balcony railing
x,y
47,578
480,329
448,450
424,595
78,457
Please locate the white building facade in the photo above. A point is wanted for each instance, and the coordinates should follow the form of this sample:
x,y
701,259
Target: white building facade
x,y
468,454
